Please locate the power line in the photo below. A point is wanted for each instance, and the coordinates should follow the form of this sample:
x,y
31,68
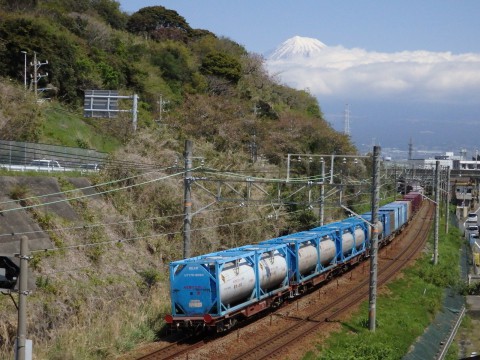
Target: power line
x,y
90,195
79,246
89,226
66,157
77,189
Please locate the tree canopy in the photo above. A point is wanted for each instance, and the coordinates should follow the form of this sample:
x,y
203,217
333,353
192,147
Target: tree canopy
x,y
222,65
154,20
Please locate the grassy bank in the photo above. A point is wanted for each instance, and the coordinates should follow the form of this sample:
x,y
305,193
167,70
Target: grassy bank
x,y
63,127
405,307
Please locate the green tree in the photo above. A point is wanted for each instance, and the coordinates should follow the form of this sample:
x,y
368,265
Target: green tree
x,y
222,65
176,64
148,21
109,10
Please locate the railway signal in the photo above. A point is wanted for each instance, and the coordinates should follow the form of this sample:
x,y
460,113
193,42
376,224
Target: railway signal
x,y
9,273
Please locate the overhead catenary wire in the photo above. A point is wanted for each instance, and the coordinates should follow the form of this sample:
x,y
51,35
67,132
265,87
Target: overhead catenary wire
x,y
117,241
227,174
94,225
87,226
79,189
230,174
91,195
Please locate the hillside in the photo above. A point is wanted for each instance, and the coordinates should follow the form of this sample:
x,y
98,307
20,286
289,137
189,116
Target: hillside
x,y
102,287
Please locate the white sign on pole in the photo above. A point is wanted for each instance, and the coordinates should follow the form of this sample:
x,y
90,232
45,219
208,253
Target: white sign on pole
x,y
28,349
100,103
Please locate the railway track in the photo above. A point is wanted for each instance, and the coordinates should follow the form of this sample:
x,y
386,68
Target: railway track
x,y
298,327
276,344
174,350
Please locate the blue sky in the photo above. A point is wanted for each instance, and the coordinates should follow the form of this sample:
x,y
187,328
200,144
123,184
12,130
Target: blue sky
x,y
375,25
436,106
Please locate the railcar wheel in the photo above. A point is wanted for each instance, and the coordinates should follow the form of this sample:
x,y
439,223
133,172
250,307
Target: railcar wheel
x,y
277,302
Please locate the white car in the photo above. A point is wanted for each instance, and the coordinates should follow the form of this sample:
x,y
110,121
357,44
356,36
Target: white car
x,y
472,217
472,228
43,163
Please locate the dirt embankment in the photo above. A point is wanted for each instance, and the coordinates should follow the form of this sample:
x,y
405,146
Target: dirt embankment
x,y
15,221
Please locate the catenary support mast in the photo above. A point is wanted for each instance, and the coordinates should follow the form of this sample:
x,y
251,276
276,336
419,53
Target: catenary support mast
x,y
187,221
374,241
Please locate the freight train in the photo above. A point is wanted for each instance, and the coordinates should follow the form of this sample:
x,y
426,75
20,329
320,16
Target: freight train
x,y
216,291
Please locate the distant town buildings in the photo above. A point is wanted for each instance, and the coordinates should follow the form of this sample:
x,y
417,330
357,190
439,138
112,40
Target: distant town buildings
x,y
454,162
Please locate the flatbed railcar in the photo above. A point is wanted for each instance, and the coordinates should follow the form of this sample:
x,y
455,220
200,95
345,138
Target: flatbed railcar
x,y
216,291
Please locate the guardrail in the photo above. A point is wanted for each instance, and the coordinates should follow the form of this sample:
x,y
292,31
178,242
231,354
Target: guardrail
x,y
24,168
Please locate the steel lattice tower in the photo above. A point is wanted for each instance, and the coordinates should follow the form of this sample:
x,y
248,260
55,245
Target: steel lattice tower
x,y
410,149
346,120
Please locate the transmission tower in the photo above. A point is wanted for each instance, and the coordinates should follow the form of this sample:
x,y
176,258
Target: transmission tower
x,y
346,120
410,149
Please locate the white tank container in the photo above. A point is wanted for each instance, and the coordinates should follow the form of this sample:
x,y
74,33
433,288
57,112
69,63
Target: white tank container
x,y
348,241
308,256
238,281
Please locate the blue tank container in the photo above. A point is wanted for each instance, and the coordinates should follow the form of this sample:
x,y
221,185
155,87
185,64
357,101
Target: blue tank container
x,y
222,282
353,232
359,225
311,253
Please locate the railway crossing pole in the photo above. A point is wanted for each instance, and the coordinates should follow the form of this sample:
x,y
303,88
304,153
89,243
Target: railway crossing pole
x,y
374,241
187,208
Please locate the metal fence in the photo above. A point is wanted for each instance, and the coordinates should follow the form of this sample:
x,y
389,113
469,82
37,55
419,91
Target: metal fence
x,y
23,153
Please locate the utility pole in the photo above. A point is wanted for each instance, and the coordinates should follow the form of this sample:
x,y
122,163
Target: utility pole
x,y
187,208
253,147
135,112
22,300
331,168
448,201
374,241
36,76
161,110
395,182
437,211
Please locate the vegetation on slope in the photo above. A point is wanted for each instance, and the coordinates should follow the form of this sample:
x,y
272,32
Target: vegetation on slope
x,y
215,89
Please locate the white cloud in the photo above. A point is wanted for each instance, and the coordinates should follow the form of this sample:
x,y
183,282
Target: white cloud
x,y
356,73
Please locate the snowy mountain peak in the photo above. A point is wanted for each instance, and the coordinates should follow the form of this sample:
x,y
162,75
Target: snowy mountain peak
x,y
298,46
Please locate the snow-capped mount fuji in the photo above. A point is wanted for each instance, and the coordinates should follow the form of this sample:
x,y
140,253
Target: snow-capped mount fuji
x,y
298,46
